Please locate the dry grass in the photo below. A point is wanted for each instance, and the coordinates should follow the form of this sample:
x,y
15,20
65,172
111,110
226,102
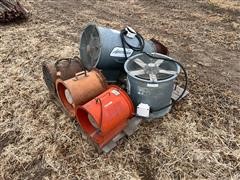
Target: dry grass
x,y
199,139
230,4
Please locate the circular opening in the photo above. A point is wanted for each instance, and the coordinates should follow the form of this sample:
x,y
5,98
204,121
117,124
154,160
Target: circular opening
x,y
147,69
86,121
66,98
90,46
92,121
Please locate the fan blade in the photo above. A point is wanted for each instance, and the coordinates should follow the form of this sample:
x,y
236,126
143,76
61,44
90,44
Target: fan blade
x,y
158,62
86,36
153,77
137,72
91,36
167,72
140,62
95,41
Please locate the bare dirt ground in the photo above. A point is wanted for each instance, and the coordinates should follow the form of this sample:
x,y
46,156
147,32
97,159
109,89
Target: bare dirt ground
x,y
199,139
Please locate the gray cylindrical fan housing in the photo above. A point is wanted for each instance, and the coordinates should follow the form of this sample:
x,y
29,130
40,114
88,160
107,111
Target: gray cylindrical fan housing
x,y
101,47
157,94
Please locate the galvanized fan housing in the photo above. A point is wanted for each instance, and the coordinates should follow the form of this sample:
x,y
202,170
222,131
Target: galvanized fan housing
x,y
101,47
90,47
151,81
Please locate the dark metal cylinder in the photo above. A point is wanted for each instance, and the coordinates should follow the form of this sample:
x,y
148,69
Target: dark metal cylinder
x,y
63,69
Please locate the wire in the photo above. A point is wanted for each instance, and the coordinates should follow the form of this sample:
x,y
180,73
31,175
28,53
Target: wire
x,y
124,41
101,114
140,49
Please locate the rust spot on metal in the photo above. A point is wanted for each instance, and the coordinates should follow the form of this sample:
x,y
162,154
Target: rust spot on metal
x,y
80,89
160,48
63,69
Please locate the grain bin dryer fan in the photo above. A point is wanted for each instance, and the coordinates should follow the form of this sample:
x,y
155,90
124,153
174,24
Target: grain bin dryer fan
x,y
102,48
151,83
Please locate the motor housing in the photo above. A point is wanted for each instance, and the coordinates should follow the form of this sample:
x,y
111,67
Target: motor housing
x,y
80,89
63,69
105,116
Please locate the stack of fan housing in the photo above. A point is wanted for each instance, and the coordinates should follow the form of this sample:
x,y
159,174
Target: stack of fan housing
x,y
111,87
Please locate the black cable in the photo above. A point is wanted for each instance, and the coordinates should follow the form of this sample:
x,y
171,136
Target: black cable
x,y
101,115
140,49
124,41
